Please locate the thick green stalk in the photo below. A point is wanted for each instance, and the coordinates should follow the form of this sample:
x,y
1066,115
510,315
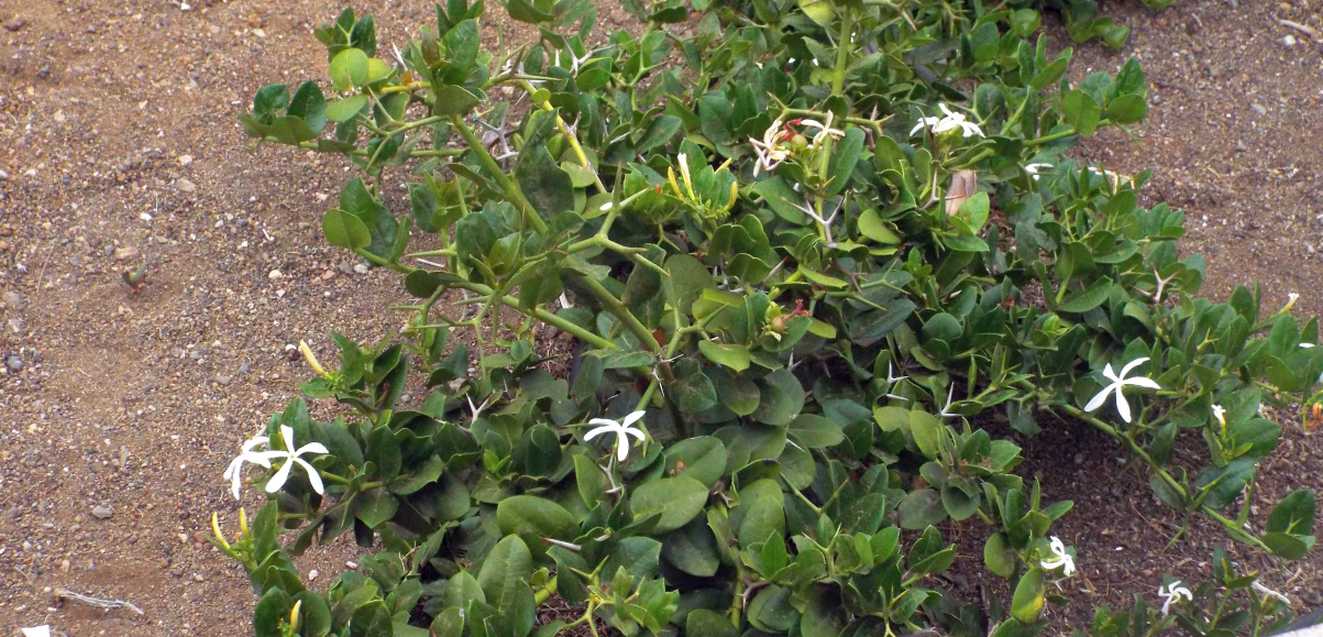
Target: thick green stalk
x,y
511,189
618,309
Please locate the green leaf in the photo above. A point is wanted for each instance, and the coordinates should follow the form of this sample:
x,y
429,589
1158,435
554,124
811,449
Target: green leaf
x,y
702,458
533,518
782,399
1127,109
702,622
349,68
771,610
921,508
547,187
454,100
344,109
693,549
999,556
659,132
815,432
1081,111
844,158
1087,299
1293,513
733,356
820,11
927,431
345,230
693,389
678,500
1028,599
504,580
375,507
872,226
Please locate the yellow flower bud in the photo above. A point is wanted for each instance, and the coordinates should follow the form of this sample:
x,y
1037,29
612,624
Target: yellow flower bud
x,y
243,523
294,616
312,361
216,531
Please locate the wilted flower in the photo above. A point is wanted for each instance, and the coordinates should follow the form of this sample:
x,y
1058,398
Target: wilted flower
x,y
1264,590
623,429
945,412
1032,169
1117,386
1172,594
824,130
291,456
772,149
1060,558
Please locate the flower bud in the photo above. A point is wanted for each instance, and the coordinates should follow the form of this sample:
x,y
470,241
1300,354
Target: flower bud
x,y
311,359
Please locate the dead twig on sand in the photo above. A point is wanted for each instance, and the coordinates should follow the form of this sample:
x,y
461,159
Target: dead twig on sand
x,y
99,602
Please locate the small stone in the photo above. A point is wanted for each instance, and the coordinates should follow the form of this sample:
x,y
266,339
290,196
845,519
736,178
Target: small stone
x,y
223,379
146,216
185,185
14,363
16,325
125,253
185,160
1259,108
361,268
312,575
102,512
197,577
274,274
351,565
14,300
1288,40
1079,458
346,268
15,24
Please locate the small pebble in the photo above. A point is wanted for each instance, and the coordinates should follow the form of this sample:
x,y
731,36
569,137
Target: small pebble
x,y
14,300
185,160
1288,40
102,512
185,185
13,363
274,274
361,268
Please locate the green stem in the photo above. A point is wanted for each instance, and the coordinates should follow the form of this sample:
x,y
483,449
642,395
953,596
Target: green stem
x,y
1051,137
512,191
545,592
618,309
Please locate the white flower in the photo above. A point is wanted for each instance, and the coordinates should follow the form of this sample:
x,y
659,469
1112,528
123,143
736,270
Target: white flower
x,y
234,473
945,413
623,429
37,631
952,121
771,150
1060,558
1307,346
1172,593
824,130
1119,381
291,456
1220,413
1291,298
1032,169
1264,590
607,206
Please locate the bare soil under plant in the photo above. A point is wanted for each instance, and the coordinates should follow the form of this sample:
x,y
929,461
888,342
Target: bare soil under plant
x,y
118,410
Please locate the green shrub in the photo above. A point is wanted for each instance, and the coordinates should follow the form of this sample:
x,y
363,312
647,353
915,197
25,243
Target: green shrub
x,y
817,259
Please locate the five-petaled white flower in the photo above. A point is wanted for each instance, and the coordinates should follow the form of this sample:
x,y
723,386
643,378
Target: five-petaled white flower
x,y
234,473
1220,413
952,121
623,429
291,456
1060,558
1117,386
772,149
1033,169
1172,594
824,130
